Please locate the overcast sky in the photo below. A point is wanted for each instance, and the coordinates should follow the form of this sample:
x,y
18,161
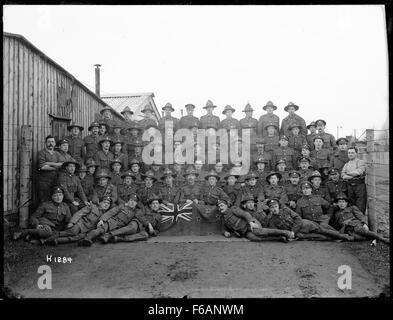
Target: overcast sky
x,y
329,60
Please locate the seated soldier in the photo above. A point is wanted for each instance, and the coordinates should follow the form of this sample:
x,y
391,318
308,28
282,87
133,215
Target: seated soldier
x,y
127,188
261,171
104,156
314,207
178,172
274,190
306,153
219,168
340,156
295,139
156,168
119,154
329,141
251,187
305,170
283,218
135,168
262,154
281,167
209,195
352,221
120,220
313,132
319,154
150,217
148,188
236,220
271,139
292,189
169,191
201,173
324,170
285,152
318,188
81,223
137,155
191,192
64,156
335,185
90,176
86,183
232,188
104,188
50,217
116,174
74,195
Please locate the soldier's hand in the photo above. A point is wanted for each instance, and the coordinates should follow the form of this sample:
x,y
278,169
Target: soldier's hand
x,y
196,201
189,201
100,223
151,229
39,227
87,203
70,225
292,204
365,227
75,203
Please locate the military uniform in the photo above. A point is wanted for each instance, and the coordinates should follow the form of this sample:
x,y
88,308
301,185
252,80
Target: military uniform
x,y
296,142
190,192
275,192
123,157
65,156
175,123
305,174
335,188
124,191
262,177
72,187
146,123
339,159
104,159
230,123
117,137
116,179
350,218
293,191
76,148
310,140
144,193
271,143
149,216
100,192
249,123
236,219
329,142
266,120
232,191
188,121
255,191
323,192
87,184
91,144
313,208
209,121
286,153
321,156
286,219
267,156
287,121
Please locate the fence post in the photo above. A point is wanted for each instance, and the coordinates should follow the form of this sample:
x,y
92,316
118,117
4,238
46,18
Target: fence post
x,y
370,183
25,175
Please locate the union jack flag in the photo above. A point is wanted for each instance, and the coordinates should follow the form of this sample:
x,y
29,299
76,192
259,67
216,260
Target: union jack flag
x,y
173,212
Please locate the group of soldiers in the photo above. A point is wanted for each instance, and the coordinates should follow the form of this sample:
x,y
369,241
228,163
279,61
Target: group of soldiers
x,y
302,184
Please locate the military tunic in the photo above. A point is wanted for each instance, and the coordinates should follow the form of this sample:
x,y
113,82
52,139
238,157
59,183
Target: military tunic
x,y
84,220
350,219
187,121
109,190
323,192
271,143
237,219
230,123
149,216
76,148
284,178
329,142
104,159
146,123
175,123
339,159
232,191
251,123
335,188
120,217
91,144
255,191
296,142
72,187
321,157
51,214
275,192
266,156
262,177
286,153
305,174
144,193
310,140
313,208
288,121
293,191
87,184
190,192
286,219
124,191
123,157
116,178
170,194
264,121
209,121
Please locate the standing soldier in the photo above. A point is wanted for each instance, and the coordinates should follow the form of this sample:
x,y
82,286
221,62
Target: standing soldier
x,y
81,223
271,139
92,140
296,140
304,168
340,156
248,122
319,154
119,154
48,163
135,168
313,133
169,191
291,118
329,142
354,173
281,167
306,153
116,133
262,154
138,148
191,192
261,165
104,157
267,119
168,109
209,120
285,152
86,184
74,194
133,136
127,188
148,121
149,188
50,216
128,121
64,156
104,189
76,146
107,117
229,122
188,120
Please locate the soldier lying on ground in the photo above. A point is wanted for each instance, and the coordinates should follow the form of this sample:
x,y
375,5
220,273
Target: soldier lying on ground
x,y
50,216
118,220
244,224
81,222
353,222
283,218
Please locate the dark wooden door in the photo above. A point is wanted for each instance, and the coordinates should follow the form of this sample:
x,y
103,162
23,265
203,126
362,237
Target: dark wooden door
x,y
59,128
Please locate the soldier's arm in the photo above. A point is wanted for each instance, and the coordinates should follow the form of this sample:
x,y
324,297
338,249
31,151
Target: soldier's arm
x,y
114,195
360,170
81,192
43,165
37,214
359,215
294,215
125,160
333,142
299,210
283,197
67,217
95,198
111,213
140,215
176,200
242,214
63,183
79,214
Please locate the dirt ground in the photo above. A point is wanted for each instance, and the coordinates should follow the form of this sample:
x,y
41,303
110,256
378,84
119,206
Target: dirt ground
x,y
198,267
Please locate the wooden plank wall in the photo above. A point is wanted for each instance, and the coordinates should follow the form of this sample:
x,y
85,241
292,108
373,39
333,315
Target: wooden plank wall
x,y
30,93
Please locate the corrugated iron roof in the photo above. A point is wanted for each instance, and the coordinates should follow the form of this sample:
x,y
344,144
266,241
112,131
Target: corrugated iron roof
x,y
135,101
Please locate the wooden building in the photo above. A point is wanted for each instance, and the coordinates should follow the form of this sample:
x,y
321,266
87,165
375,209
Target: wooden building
x,y
39,98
